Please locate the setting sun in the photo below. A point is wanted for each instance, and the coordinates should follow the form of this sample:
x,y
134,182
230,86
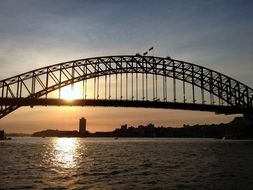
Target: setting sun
x,y
69,93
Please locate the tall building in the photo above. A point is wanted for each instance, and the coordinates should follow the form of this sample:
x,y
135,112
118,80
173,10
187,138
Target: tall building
x,y
82,126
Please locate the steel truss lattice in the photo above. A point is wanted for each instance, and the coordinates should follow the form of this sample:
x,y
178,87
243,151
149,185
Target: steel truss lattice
x,y
37,83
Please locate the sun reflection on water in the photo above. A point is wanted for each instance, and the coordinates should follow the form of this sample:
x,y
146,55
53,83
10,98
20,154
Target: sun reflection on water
x,y
65,152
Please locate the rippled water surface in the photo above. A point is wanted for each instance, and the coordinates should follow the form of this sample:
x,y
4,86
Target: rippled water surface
x,y
127,163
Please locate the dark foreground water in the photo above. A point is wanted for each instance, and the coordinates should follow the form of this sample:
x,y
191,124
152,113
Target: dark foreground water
x,y
106,163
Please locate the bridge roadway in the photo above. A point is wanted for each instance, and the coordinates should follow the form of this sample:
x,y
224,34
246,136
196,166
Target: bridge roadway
x,y
219,109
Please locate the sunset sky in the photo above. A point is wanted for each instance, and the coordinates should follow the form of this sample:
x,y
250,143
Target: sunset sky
x,y
35,33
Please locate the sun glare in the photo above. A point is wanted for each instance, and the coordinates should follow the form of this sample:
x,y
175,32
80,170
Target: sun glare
x,y
65,152
69,93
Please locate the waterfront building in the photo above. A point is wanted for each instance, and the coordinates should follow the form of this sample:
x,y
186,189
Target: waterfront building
x,y
2,136
82,126
124,127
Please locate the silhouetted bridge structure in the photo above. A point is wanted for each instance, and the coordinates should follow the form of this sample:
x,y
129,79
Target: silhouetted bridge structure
x,y
128,81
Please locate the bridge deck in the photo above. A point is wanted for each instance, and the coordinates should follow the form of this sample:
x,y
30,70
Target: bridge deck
x,y
120,103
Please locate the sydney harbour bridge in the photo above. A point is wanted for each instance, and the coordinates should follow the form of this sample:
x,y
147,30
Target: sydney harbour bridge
x,y
128,81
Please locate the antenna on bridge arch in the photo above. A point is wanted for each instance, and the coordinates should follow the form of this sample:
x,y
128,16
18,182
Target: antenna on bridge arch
x,y
149,50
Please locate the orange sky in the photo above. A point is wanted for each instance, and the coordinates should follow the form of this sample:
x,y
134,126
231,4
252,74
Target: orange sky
x,y
28,120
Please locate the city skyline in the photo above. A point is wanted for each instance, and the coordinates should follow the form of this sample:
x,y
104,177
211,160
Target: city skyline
x,y
33,34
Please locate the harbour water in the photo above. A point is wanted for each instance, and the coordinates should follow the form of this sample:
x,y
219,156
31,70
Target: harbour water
x,y
125,163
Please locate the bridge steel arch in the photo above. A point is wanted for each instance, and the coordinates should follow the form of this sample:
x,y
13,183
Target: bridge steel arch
x,y
37,83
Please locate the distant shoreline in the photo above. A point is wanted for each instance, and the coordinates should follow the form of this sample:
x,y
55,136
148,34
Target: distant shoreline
x,y
239,128
18,135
